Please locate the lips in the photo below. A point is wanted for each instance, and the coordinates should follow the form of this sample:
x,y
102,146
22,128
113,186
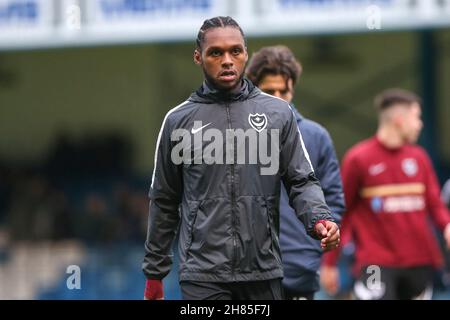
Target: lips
x,y
227,76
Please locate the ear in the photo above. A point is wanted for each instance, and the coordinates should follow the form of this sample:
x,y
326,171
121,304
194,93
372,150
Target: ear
x,y
290,84
197,57
246,55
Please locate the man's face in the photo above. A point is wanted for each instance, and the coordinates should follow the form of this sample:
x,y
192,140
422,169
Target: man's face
x,y
223,57
277,86
411,123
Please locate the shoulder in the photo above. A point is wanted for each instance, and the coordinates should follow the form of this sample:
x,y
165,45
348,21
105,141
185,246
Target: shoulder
x,y
279,113
315,129
418,152
360,151
416,149
273,104
179,112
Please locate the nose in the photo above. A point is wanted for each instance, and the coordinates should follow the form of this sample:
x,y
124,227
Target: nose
x,y
227,61
277,93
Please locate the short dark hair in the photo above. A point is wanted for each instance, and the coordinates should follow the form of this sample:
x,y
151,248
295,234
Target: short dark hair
x,y
275,60
217,22
391,97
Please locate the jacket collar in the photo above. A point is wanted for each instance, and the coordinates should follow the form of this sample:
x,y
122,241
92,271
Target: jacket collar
x,y
208,94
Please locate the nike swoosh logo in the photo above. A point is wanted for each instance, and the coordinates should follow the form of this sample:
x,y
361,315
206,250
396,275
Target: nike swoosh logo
x,y
377,169
194,131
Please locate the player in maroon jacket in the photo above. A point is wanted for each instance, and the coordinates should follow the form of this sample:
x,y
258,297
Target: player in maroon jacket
x,y
391,190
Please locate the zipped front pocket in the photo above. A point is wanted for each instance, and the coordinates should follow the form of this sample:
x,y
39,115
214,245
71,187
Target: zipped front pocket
x,y
193,211
273,226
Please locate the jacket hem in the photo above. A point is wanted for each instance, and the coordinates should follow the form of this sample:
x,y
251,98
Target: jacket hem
x,y
229,277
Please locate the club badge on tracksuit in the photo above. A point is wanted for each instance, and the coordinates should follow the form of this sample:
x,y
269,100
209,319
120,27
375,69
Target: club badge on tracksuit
x,y
257,121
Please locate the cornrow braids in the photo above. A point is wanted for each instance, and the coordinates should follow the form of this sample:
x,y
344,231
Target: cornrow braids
x,y
216,22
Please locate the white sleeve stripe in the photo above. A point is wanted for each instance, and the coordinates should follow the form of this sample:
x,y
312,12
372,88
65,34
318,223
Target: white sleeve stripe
x,y
269,95
301,140
159,139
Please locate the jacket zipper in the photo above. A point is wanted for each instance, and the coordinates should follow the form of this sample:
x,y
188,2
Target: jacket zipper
x,y
233,200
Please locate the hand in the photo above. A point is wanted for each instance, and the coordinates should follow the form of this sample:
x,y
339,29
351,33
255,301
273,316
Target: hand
x,y
329,233
153,290
447,235
329,279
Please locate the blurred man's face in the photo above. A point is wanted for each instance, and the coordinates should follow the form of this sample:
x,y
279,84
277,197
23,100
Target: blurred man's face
x,y
223,57
411,123
277,86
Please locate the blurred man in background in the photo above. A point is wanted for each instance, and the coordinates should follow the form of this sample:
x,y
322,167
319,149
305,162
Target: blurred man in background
x,y
391,190
275,70
229,211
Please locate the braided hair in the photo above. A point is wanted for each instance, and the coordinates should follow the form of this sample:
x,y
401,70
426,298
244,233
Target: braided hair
x,y
216,22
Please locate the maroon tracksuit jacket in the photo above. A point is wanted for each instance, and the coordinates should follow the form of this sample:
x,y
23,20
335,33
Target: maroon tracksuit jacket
x,y
390,195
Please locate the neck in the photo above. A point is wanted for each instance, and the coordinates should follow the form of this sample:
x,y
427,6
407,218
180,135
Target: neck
x,y
223,92
390,137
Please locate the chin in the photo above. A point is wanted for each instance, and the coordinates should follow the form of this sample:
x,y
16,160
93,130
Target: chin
x,y
413,140
227,86
231,86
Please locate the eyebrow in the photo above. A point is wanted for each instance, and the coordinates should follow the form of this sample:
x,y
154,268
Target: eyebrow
x,y
240,46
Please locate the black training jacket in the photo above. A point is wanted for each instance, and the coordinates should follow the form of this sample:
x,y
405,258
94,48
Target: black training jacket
x,y
227,214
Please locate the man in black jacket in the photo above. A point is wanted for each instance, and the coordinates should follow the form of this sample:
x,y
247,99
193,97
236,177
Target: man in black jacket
x,y
219,160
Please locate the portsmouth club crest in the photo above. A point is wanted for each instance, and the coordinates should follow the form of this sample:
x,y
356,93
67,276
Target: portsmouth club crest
x,y
257,121
409,167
